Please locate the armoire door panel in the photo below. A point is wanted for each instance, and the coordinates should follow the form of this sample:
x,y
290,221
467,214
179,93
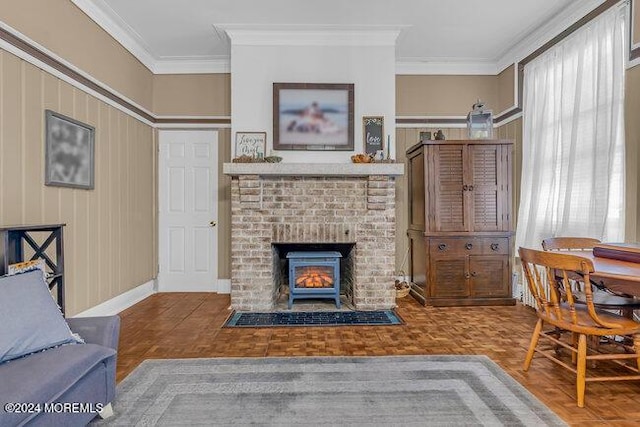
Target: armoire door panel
x,y
417,190
448,188
485,188
449,278
489,276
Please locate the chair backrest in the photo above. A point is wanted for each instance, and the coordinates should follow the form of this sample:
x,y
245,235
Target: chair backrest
x,y
569,243
551,277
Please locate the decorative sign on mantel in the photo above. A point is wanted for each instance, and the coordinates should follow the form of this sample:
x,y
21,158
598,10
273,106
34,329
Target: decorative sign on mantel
x,y
373,133
251,144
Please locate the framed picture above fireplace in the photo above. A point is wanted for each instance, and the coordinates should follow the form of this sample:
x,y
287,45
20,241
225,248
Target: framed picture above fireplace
x,y
313,116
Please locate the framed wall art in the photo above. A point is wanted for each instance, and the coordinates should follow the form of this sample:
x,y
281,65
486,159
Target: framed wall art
x,y
69,152
313,116
251,144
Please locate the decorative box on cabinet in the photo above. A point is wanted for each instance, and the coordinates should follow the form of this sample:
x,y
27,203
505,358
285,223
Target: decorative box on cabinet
x,y
25,243
460,234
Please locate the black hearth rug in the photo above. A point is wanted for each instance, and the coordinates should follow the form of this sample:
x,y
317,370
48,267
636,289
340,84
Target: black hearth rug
x,y
313,318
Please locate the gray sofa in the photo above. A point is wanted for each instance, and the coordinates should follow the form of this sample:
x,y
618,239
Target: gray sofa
x,y
79,374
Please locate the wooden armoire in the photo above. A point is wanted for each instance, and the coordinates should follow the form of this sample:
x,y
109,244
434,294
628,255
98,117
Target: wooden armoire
x,y
459,225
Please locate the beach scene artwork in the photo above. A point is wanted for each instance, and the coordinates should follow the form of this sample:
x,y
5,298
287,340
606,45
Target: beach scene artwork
x,y
314,117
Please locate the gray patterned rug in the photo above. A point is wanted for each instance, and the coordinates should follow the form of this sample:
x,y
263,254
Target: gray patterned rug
x,y
384,391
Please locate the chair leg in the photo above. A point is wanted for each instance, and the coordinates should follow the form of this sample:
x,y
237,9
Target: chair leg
x,y
636,347
582,369
532,345
574,344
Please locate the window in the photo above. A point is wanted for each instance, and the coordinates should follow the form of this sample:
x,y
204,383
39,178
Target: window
x,y
573,136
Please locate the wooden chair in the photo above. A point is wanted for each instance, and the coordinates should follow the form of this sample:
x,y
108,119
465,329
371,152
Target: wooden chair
x,y
601,298
569,243
541,269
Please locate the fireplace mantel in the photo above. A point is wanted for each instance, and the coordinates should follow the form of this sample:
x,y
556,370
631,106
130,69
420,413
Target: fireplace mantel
x,y
313,169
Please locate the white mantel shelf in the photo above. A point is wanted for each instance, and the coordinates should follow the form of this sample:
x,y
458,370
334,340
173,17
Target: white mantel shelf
x,y
313,169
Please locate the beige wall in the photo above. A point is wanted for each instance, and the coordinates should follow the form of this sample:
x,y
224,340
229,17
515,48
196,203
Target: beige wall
x,y
513,131
110,237
443,95
224,206
192,94
505,90
65,30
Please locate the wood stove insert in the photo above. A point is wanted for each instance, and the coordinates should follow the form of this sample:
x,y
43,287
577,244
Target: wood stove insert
x,y
314,275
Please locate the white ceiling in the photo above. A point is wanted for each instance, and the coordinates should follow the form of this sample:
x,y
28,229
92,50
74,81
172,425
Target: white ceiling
x,y
450,37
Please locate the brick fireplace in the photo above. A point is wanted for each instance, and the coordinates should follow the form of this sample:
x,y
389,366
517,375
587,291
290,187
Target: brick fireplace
x,y
291,204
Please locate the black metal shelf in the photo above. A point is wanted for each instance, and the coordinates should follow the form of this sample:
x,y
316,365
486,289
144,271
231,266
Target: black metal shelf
x,y
15,240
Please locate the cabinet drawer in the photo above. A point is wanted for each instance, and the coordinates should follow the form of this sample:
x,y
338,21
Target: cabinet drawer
x,y
448,246
493,245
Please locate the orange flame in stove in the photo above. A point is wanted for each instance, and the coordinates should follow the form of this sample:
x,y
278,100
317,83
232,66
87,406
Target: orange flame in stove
x,y
315,277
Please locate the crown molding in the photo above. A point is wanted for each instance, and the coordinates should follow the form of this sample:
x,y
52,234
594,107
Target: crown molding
x,y
454,66
438,67
328,35
546,32
118,29
311,35
192,66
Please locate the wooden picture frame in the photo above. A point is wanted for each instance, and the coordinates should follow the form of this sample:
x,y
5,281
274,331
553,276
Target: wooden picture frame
x,y
251,144
373,134
69,152
313,116
425,136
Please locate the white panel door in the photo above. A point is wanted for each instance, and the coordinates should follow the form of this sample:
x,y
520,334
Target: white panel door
x,y
188,236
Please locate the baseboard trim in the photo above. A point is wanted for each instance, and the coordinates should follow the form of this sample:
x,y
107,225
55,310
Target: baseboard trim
x,y
121,302
224,286
221,286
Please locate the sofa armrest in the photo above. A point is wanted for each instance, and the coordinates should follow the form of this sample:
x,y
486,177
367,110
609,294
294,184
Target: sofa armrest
x,y
97,330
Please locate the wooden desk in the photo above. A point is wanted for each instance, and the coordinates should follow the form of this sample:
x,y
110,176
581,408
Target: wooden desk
x,y
618,276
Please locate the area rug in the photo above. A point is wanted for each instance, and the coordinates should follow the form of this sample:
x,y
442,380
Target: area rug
x,y
335,391
313,318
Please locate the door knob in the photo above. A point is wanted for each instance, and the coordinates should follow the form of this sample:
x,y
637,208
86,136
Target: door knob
x,y
213,223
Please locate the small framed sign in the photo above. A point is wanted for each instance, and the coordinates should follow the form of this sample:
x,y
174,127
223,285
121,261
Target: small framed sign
x,y
373,134
251,144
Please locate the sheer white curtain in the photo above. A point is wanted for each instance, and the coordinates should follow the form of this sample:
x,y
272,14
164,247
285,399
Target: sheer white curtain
x,y
573,137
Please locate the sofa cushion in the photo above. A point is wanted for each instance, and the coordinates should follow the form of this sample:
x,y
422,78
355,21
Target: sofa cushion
x,y
43,377
30,318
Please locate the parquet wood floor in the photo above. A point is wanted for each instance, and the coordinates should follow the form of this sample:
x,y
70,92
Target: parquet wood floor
x,y
187,325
